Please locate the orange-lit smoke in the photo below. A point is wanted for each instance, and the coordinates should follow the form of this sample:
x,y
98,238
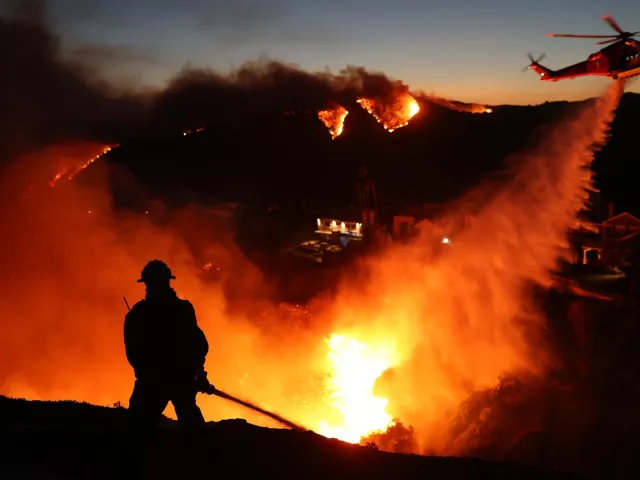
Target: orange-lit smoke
x,y
68,259
393,112
429,323
333,119
451,318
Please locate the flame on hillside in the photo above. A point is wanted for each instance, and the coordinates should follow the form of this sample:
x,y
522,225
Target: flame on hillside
x,y
73,168
392,114
475,108
333,119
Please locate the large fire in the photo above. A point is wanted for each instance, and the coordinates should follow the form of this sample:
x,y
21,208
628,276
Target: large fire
x,y
353,370
392,114
333,118
411,335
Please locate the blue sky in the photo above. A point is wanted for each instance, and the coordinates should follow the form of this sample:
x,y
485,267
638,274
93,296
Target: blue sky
x,y
468,50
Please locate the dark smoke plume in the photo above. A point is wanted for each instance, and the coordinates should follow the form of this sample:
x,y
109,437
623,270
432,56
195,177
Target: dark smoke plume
x,y
46,97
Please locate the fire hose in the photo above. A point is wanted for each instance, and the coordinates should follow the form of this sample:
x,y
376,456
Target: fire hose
x,y
211,390
255,408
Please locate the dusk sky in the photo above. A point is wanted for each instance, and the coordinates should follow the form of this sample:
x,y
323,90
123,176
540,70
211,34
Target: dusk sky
x,y
468,50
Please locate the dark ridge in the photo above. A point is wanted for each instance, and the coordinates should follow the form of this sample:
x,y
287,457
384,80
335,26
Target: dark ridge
x,y
89,442
291,159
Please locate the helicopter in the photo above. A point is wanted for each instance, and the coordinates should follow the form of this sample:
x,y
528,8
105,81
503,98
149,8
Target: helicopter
x,y
619,60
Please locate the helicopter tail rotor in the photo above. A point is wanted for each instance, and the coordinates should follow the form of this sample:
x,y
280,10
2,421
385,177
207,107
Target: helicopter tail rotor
x,y
533,61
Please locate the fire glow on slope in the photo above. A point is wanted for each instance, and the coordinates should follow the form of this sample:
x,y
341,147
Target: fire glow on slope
x,y
394,113
333,119
72,167
475,108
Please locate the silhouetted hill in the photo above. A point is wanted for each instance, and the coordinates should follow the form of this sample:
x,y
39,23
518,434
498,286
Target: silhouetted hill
x,y
73,440
291,158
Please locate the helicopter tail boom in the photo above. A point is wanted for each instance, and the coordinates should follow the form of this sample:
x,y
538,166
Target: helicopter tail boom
x,y
543,72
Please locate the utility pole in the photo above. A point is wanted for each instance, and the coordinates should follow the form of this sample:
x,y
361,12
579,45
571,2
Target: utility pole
x,y
368,203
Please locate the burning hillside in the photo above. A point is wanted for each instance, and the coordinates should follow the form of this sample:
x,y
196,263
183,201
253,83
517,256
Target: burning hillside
x,y
394,112
88,107
411,341
333,119
411,334
73,166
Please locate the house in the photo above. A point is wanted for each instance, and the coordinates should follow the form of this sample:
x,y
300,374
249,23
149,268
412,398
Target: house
x,y
404,222
345,222
411,219
428,219
621,225
608,242
342,226
619,238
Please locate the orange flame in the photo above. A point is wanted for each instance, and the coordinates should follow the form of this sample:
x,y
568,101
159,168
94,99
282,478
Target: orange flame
x,y
333,119
392,115
354,368
72,171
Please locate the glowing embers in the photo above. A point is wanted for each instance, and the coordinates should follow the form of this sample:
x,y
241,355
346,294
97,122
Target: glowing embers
x,y
354,368
333,119
394,113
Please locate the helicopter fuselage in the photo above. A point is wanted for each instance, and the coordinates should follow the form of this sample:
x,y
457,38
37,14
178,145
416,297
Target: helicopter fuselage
x,y
618,61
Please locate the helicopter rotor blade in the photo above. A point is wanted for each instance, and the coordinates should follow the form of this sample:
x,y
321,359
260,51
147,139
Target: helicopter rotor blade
x,y
613,24
605,42
574,35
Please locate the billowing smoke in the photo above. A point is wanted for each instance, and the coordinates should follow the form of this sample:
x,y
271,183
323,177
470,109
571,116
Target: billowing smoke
x,y
69,259
48,96
454,309
45,99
